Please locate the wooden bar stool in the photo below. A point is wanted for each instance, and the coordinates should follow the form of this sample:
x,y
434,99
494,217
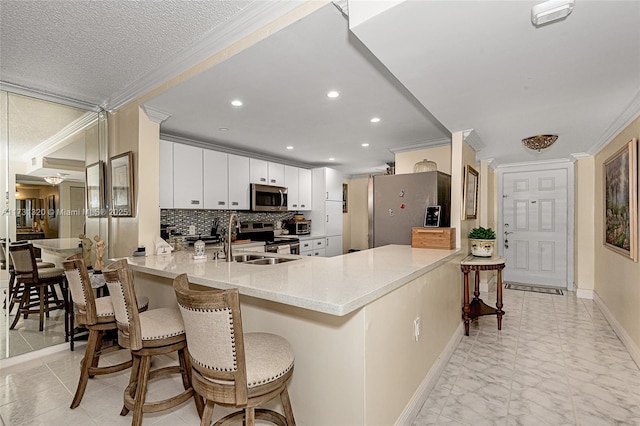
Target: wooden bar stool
x,y
231,368
42,280
154,332
98,317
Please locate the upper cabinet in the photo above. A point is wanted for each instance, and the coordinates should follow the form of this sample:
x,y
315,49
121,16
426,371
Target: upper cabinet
x,y
239,191
166,175
266,172
304,189
187,177
327,184
216,180
298,184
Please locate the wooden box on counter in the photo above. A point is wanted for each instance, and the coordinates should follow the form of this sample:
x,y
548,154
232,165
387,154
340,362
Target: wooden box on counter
x,y
433,238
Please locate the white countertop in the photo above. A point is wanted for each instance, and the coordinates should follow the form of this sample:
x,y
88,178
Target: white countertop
x,y
336,285
59,245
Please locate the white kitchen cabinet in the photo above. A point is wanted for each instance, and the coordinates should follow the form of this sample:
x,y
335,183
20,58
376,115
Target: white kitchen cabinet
x,y
291,183
333,246
327,184
187,177
266,172
166,175
312,247
333,218
239,191
304,189
216,180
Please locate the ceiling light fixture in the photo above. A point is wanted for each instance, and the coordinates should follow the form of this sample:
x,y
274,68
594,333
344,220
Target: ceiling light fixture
x,y
539,142
333,94
54,180
550,11
375,120
236,102
289,147
365,145
332,159
223,129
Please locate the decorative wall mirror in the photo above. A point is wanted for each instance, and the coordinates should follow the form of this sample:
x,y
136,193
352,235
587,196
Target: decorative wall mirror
x,y
122,185
470,198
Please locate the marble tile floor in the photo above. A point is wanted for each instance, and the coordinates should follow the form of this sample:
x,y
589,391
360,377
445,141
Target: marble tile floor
x,y
25,337
557,361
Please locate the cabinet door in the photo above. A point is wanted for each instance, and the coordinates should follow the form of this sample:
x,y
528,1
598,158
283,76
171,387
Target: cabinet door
x,y
239,192
333,213
166,175
216,180
333,182
187,177
306,245
291,182
304,189
333,246
276,174
259,170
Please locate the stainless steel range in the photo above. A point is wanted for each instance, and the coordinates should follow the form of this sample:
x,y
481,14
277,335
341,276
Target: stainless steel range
x,y
264,231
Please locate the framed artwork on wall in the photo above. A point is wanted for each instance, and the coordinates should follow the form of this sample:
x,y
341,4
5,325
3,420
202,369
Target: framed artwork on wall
x,y
470,196
621,201
122,185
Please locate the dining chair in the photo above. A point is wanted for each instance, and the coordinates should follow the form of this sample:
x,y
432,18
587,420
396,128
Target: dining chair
x,y
229,367
147,334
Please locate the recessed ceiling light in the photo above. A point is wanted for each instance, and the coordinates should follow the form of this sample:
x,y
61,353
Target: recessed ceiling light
x,y
332,159
236,102
289,147
223,129
375,119
365,145
333,94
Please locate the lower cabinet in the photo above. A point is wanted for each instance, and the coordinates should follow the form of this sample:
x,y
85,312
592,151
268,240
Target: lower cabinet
x,y
326,246
333,246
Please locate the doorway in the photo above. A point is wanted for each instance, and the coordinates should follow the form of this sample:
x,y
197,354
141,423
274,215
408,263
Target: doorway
x,y
535,227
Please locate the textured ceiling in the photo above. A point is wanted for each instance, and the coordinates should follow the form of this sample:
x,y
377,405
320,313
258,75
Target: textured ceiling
x,y
92,50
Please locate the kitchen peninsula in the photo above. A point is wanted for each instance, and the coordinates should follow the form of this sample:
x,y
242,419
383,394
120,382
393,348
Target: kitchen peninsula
x,y
349,318
56,250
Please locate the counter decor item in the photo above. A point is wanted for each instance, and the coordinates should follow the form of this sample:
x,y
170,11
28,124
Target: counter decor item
x,y
482,241
433,238
100,247
425,166
199,246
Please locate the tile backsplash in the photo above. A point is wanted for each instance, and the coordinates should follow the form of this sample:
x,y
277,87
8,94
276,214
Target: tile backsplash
x,y
203,220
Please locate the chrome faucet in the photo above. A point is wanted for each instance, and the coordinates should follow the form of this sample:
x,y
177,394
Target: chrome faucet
x,y
228,254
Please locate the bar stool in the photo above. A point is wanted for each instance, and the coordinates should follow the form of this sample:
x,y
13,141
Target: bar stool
x,y
42,280
231,368
98,317
154,332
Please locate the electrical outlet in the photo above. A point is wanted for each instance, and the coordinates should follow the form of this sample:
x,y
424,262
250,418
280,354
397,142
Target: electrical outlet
x,y
416,328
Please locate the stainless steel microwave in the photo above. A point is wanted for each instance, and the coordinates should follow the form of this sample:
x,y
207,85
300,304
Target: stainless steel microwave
x,y
266,198
299,227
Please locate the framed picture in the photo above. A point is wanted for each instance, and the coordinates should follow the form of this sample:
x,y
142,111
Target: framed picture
x,y
621,201
432,217
122,185
94,178
51,205
470,197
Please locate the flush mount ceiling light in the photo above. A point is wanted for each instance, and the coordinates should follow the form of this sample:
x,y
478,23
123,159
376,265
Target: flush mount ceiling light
x,y
333,94
365,145
289,147
549,11
375,120
236,102
53,180
539,142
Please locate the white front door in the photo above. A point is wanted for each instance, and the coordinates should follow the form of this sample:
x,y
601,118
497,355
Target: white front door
x,y
535,226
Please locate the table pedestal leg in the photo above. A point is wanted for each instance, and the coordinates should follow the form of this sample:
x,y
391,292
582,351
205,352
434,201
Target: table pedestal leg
x,y
499,312
465,307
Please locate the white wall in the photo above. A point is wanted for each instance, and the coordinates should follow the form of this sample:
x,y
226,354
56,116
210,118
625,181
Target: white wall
x,y
440,154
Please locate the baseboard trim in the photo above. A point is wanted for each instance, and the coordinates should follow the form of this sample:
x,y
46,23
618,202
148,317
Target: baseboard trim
x,y
34,355
421,394
628,342
584,294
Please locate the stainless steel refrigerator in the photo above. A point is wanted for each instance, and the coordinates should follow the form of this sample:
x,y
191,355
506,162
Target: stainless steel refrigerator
x,y
398,202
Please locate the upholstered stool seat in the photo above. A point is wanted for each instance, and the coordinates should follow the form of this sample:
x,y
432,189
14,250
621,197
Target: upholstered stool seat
x,y
231,368
97,315
154,332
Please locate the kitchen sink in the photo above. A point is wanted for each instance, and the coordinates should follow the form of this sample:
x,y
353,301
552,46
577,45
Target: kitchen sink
x,y
256,259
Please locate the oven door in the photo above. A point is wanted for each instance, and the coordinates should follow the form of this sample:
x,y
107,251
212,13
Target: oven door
x,y
265,198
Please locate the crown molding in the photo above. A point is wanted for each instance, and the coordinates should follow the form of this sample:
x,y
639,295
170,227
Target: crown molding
x,y
244,23
87,119
423,145
630,113
154,114
578,155
472,138
45,96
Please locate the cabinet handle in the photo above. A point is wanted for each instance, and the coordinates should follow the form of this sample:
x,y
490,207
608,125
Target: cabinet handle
x,y
273,181
294,205
319,243
195,201
234,203
263,179
327,195
221,203
327,244
302,205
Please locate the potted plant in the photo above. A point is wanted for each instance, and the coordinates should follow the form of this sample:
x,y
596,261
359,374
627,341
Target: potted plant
x,y
483,241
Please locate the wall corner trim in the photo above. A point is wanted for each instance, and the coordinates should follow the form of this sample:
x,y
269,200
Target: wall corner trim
x,y
632,347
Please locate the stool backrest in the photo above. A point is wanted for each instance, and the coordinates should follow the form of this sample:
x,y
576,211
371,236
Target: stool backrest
x,y
80,287
119,280
213,326
23,258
